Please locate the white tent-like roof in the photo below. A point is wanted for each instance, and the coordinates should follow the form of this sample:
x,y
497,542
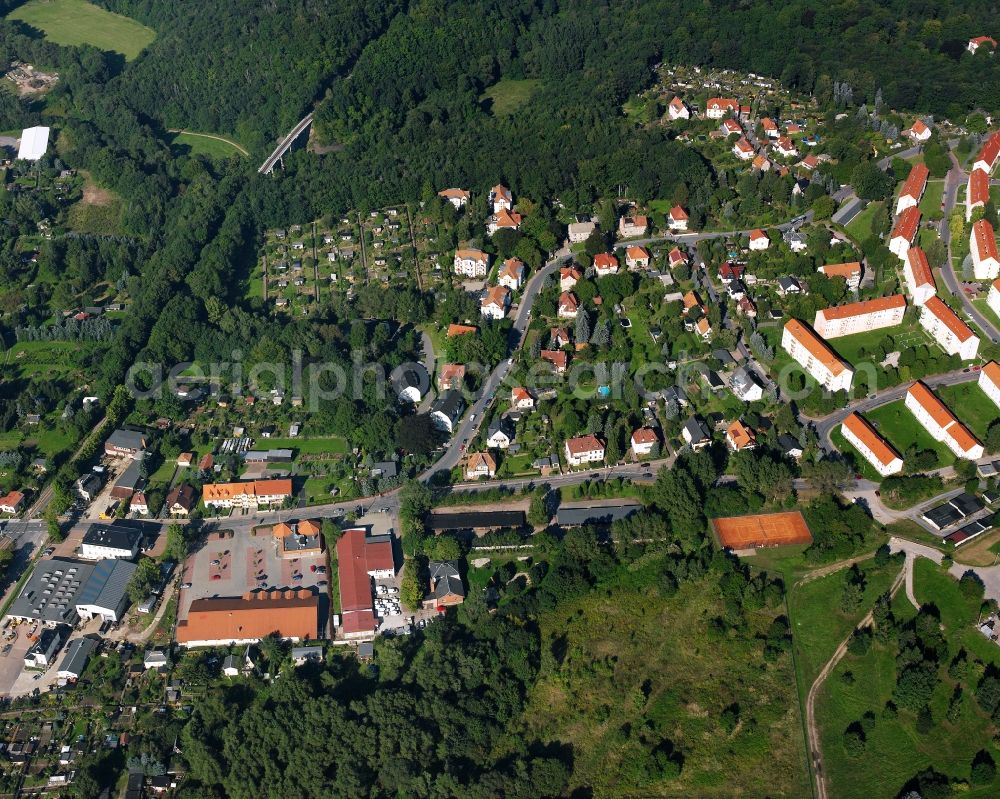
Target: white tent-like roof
x,y
34,143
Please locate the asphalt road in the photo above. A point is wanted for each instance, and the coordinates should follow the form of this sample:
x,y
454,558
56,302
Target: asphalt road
x,y
953,180
824,425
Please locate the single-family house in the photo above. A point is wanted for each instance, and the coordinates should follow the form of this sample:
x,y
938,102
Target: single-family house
x,y
450,376
569,305
759,240
479,465
676,109
644,440
512,274
495,303
569,276
605,263
500,433
631,226
677,219
457,197
740,437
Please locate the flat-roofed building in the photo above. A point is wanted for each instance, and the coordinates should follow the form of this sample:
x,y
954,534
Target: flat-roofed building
x,y
983,248
919,276
989,381
110,541
34,143
938,420
913,188
815,356
943,325
873,448
859,317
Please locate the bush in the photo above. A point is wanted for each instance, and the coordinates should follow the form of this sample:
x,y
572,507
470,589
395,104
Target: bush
x,y
854,740
984,768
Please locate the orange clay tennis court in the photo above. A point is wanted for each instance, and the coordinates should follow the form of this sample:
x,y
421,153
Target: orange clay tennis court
x,y
762,530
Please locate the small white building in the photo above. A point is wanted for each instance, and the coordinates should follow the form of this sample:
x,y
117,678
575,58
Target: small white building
x,y
677,109
34,143
759,240
643,441
677,219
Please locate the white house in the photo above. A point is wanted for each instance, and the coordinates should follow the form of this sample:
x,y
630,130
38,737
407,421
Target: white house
x,y
584,449
471,263
938,420
631,226
859,317
918,132
643,441
983,248
568,277
850,271
512,274
742,149
638,257
496,302
500,434
718,107
989,381
605,263
785,147
872,447
977,192
457,197
569,305
815,356
759,240
521,399
987,158
104,541
503,220
904,232
919,277
944,326
913,188
745,385
580,231
677,109
480,464
677,218
501,199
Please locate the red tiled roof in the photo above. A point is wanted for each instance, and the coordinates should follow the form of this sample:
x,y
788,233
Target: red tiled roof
x,y
568,300
943,416
727,103
644,435
356,557
635,253
907,224
878,446
949,318
915,182
290,614
757,234
605,260
580,444
678,213
990,151
986,241
815,345
979,187
864,307
741,435
992,372
922,274
557,358
846,270
460,330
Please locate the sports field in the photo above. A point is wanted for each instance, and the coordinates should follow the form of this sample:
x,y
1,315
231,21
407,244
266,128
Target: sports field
x,y
75,22
762,530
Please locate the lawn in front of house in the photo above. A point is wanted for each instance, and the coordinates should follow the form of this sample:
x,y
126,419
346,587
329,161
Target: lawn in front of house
x,y
971,405
901,428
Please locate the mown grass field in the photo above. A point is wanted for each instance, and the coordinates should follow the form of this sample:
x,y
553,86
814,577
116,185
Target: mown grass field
x,y
895,750
902,429
206,144
861,226
306,446
506,96
971,405
76,22
930,203
858,348
639,663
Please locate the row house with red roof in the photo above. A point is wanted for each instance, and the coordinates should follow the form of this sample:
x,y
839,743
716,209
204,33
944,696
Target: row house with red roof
x,y
989,154
989,381
993,297
983,248
943,325
977,192
913,188
918,276
938,420
904,232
